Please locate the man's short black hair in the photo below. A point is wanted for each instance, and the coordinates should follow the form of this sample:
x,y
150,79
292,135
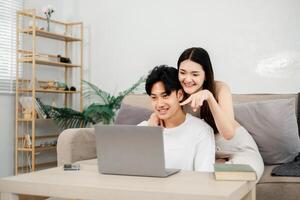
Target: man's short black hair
x,y
167,75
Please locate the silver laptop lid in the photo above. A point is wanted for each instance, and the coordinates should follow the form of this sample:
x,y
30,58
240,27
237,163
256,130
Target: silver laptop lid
x,y
130,150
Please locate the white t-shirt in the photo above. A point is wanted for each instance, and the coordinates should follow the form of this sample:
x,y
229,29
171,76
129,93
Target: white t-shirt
x,y
189,146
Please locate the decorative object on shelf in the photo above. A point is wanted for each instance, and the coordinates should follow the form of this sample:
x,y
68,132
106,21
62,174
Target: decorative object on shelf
x,y
48,10
101,112
61,86
27,114
26,103
72,88
48,144
56,85
43,57
64,59
27,141
49,85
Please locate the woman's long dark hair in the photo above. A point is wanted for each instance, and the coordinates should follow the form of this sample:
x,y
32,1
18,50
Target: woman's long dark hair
x,y
200,56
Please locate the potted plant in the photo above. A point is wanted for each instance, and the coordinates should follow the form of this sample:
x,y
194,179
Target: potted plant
x,y
103,110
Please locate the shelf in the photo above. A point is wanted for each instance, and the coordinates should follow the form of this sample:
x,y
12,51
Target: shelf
x,y
47,136
47,148
46,165
24,149
42,136
45,62
48,91
38,149
29,120
24,120
40,166
50,35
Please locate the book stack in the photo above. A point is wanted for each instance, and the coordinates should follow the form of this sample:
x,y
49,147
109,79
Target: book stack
x,y
234,172
40,111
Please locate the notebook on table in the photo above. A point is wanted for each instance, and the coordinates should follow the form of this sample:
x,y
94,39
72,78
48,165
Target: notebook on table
x,y
234,172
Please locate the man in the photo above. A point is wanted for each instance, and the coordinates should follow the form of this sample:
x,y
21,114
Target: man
x,y
188,141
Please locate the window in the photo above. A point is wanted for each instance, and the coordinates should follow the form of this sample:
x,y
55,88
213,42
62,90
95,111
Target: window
x,y
8,9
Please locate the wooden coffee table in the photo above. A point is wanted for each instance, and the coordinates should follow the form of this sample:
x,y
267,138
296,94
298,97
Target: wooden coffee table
x,y
89,184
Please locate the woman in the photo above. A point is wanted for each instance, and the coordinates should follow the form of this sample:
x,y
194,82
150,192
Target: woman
x,y
211,100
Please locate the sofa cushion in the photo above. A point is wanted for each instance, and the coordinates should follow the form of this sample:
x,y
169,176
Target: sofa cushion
x,y
132,115
273,125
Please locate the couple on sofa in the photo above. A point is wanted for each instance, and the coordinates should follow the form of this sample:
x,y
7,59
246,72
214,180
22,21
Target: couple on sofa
x,y
197,114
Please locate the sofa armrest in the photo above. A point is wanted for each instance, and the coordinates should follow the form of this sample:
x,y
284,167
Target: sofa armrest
x,y
75,145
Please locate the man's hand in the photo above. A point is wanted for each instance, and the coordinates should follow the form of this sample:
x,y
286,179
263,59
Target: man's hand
x,y
196,99
155,121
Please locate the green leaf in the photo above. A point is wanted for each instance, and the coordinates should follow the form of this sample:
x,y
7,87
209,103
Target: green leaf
x,y
66,117
99,113
92,91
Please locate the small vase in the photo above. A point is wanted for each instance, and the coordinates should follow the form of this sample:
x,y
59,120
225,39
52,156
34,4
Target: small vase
x,y
48,24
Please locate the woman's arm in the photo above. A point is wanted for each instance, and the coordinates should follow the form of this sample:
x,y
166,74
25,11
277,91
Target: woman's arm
x,y
222,110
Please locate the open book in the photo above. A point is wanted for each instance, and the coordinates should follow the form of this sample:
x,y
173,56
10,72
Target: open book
x,y
234,172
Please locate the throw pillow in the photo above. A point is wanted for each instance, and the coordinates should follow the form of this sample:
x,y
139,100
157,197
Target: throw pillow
x,y
273,125
132,115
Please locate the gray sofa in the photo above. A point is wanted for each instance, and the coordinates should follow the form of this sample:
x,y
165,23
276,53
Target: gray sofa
x,y
79,145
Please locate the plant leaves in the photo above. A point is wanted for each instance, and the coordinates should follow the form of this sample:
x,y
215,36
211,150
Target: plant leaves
x,y
99,113
103,110
92,91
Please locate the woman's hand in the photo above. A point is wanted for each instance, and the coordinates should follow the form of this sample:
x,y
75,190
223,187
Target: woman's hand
x,y
196,99
154,120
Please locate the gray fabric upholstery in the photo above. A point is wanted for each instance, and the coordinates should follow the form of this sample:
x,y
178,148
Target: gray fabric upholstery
x,y
244,98
132,115
75,145
278,191
273,126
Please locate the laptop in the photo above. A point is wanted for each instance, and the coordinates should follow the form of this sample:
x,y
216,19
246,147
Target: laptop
x,y
131,150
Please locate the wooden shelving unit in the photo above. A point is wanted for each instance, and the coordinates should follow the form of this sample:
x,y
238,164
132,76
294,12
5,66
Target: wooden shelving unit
x,y
47,91
37,60
48,63
55,36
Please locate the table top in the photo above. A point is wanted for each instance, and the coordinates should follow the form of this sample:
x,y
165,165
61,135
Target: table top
x,y
89,184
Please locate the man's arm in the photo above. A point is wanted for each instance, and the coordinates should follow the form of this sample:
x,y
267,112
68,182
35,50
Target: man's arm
x,y
205,153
